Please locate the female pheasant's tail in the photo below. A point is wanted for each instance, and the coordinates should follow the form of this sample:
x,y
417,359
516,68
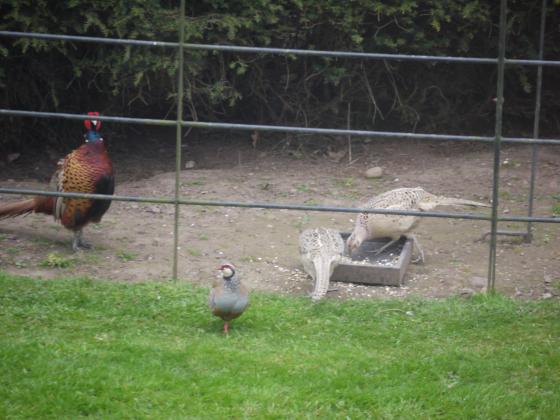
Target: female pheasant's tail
x,y
324,266
19,208
448,201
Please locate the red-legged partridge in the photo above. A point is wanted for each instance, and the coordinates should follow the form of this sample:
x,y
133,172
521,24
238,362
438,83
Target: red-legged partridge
x,y
228,297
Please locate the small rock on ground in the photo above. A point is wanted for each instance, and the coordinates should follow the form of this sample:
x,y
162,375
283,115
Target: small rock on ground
x,y
375,172
466,292
478,283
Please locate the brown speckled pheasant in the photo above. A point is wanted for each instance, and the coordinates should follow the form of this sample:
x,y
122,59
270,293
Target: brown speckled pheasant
x,y
228,298
87,169
320,250
375,226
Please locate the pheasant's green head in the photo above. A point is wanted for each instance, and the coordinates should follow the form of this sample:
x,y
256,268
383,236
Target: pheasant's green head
x,y
93,127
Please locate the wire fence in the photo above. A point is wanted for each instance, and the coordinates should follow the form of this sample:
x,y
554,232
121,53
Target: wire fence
x,y
500,61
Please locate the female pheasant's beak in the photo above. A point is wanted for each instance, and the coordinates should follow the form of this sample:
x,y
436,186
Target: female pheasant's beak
x,y
352,243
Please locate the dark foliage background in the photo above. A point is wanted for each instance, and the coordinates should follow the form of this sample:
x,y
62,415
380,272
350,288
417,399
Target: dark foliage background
x,y
312,91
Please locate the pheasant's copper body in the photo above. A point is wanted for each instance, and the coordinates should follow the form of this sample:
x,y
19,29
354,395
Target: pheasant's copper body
x,y
88,169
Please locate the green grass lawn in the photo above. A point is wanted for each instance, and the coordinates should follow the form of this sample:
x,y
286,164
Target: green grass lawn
x,y
72,348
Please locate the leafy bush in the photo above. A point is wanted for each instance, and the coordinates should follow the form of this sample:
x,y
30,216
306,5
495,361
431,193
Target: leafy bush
x,y
313,91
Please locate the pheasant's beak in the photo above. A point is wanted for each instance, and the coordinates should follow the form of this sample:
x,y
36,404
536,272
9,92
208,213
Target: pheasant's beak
x,y
349,246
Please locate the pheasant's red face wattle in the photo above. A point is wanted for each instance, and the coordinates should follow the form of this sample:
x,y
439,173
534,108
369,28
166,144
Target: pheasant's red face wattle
x,y
93,124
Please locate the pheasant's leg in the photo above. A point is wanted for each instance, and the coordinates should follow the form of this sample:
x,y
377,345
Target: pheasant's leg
x,y
420,258
79,243
226,327
387,245
76,241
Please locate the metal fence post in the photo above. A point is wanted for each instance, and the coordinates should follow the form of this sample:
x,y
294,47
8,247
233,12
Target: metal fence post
x,y
536,123
179,129
497,145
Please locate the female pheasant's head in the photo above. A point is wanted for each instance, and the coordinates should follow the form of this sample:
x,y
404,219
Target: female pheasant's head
x,y
228,270
93,128
352,243
355,240
359,234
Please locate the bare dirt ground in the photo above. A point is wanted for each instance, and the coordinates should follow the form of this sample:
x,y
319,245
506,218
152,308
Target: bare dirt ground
x,y
134,241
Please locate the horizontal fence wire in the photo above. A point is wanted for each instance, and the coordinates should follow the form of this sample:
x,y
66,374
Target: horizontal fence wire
x,y
280,51
284,129
277,206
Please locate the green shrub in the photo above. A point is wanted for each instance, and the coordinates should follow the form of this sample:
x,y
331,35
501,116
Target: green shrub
x,y
139,81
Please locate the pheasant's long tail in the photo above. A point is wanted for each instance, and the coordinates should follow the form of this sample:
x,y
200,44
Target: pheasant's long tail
x,y
322,277
447,201
19,208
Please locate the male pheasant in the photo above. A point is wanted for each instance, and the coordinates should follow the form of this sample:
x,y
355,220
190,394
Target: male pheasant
x,y
375,226
321,250
87,169
228,298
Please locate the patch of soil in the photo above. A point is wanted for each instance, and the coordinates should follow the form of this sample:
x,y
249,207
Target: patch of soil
x,y
134,241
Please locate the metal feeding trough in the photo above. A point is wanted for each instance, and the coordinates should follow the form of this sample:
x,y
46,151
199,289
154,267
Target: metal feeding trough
x,y
386,269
